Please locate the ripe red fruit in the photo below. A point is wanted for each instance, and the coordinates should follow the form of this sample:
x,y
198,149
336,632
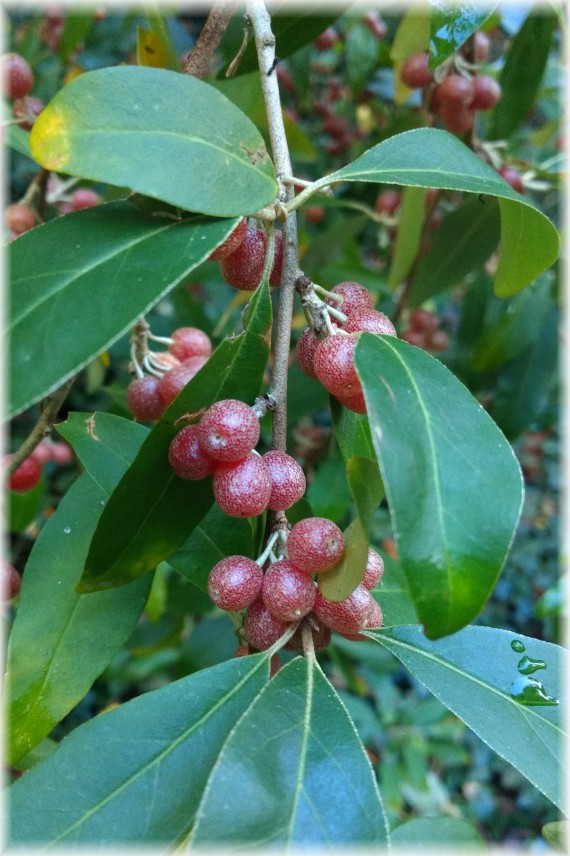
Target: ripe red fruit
x,y
315,545
144,399
437,340
388,202
288,483
10,581
190,342
375,24
42,452
186,456
314,214
234,583
455,91
61,453
19,218
18,75
457,120
172,382
287,592
243,268
513,177
487,91
261,628
165,360
229,430
422,319
369,321
232,242
321,634
26,476
354,296
346,616
243,489
327,39
306,348
334,365
414,337
27,109
83,197
356,403
374,570
373,620
482,46
414,71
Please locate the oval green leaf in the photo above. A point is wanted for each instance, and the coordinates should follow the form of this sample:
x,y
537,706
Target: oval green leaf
x,y
453,484
163,134
76,267
427,157
451,27
475,673
423,832
148,762
292,772
152,511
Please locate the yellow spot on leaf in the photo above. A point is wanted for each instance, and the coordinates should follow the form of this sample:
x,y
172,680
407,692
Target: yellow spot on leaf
x,y
73,72
49,139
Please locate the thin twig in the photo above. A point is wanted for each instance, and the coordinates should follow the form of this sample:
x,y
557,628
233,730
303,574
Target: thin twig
x,y
49,409
199,60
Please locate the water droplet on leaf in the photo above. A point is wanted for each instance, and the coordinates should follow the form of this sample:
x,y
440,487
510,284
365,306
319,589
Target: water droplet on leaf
x,y
529,691
527,666
517,645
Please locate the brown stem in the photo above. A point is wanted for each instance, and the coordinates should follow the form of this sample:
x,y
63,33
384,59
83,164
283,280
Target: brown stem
x,y
49,409
199,61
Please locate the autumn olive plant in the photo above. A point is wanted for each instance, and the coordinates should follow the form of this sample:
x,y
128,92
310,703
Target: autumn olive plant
x,y
258,749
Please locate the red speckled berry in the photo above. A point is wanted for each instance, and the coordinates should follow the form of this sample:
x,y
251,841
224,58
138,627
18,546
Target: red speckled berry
x,y
19,218
232,242
18,75
10,581
356,403
345,616
234,583
261,628
84,197
187,457
62,453
229,430
423,320
165,360
373,621
27,109
437,340
243,268
172,382
315,545
26,476
321,634
334,365
487,92
243,489
414,337
314,214
144,399
42,452
288,483
354,296
455,91
287,592
369,321
374,570
482,46
190,342
414,71
388,202
306,348
512,176
457,120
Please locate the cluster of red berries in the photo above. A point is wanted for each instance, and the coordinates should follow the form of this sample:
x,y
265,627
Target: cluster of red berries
x,y
287,592
28,474
148,396
223,444
331,360
242,257
460,94
423,331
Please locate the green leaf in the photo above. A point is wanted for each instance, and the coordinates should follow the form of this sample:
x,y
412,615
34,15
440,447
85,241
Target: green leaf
x,y
463,243
328,493
361,55
177,139
152,512
339,582
76,26
451,27
61,642
17,139
556,834
148,763
476,673
216,537
159,27
438,452
423,832
426,157
393,595
23,507
352,432
366,487
76,267
409,234
522,73
292,772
